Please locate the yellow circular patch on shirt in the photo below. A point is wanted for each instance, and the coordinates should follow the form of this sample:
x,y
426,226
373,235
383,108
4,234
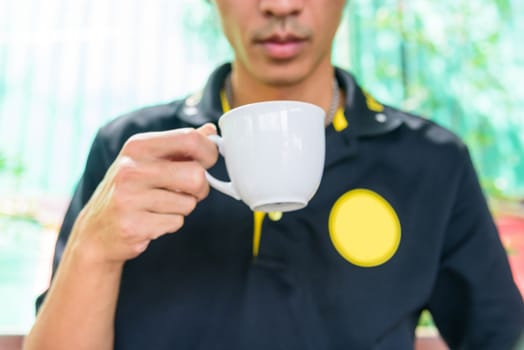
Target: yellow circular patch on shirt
x,y
364,228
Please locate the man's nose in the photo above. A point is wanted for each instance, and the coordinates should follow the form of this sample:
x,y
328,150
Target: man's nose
x,y
281,8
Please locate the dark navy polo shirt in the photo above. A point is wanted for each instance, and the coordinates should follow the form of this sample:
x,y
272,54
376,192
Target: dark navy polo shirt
x,y
202,288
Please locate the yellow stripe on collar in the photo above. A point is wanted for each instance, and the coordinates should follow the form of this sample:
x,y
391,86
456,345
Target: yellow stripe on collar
x,y
224,102
373,104
339,120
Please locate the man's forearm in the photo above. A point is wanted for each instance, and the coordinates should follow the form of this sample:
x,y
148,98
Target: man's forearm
x,y
79,309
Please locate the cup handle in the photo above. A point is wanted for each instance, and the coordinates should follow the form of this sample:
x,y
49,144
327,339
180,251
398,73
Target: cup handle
x,y
222,186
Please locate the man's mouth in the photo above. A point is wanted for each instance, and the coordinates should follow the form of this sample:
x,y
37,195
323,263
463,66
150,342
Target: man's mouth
x,y
281,46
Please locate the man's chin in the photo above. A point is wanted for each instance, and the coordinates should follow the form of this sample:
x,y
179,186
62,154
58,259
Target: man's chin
x,y
283,75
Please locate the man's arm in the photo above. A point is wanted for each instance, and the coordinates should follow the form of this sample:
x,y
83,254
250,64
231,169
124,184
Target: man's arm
x,y
78,312
475,302
155,181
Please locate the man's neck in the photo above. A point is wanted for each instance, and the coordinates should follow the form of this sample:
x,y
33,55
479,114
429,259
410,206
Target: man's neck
x,y
316,88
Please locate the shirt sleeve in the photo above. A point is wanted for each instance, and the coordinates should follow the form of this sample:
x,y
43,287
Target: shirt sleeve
x,y
475,302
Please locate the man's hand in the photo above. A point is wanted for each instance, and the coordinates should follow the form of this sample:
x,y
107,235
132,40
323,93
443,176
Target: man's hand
x,y
156,180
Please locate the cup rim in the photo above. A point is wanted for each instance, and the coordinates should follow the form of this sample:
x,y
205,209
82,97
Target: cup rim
x,y
271,102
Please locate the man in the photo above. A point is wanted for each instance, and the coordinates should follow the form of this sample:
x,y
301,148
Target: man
x,y
399,223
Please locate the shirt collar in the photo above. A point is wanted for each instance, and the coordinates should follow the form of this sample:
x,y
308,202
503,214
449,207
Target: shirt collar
x,y
365,116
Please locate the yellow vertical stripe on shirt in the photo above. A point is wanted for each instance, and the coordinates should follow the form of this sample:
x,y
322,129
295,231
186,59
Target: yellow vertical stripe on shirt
x,y
258,217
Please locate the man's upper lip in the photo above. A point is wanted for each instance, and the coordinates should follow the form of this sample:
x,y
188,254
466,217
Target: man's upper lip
x,y
280,38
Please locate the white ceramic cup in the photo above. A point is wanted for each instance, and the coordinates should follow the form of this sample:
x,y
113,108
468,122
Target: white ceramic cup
x,y
274,153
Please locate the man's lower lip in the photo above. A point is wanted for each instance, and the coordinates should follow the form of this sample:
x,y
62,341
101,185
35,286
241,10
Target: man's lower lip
x,y
284,50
